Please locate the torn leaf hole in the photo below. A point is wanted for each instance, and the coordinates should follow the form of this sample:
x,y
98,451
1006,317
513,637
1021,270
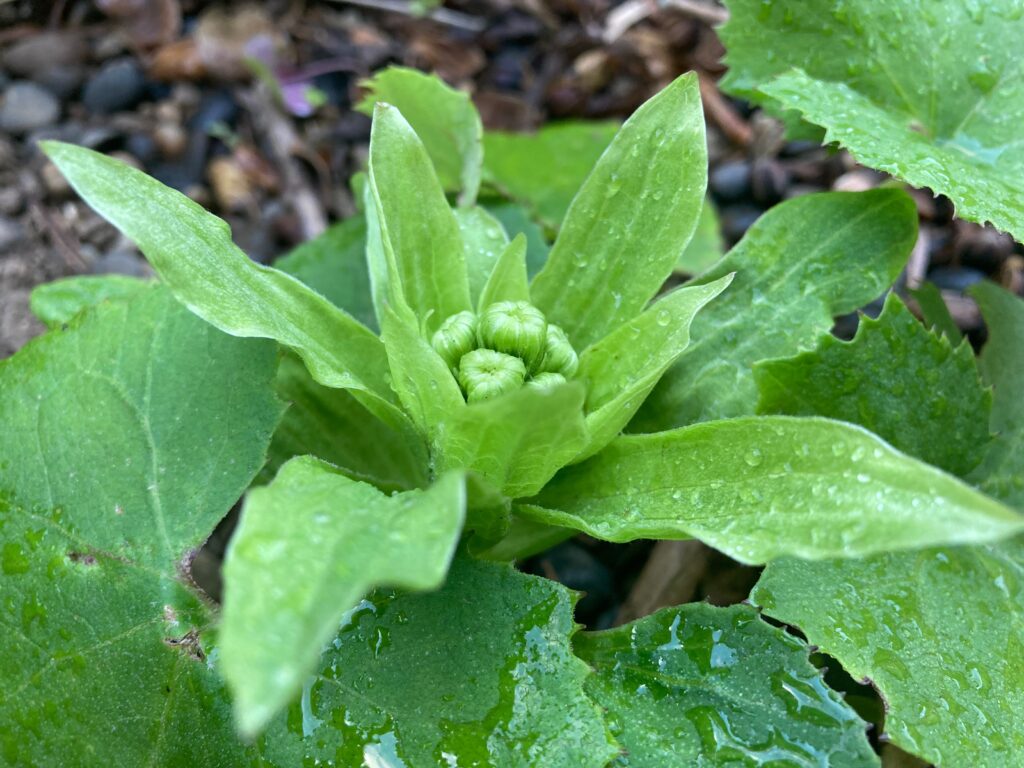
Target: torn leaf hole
x,y
82,558
188,644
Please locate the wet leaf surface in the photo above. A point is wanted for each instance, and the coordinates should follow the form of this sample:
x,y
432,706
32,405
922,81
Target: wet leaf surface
x,y
705,686
928,92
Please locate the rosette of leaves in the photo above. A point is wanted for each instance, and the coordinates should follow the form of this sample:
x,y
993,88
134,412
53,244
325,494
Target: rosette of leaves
x,y
348,600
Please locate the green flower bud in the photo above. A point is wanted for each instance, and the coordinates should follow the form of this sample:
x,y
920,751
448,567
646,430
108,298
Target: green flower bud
x,y
484,373
559,356
455,337
546,380
516,328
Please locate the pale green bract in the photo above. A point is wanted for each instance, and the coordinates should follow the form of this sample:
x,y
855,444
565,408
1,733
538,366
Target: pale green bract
x,y
928,92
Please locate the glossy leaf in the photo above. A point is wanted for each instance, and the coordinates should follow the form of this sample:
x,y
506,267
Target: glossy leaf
x,y
1002,363
515,220
544,170
126,438
517,441
758,488
451,678
623,367
485,240
308,547
417,225
334,265
58,302
508,280
332,425
705,686
631,219
938,632
707,245
935,313
929,93
897,379
192,252
445,120
803,262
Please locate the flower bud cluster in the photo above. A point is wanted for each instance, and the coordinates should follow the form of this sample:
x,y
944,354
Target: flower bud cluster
x,y
508,346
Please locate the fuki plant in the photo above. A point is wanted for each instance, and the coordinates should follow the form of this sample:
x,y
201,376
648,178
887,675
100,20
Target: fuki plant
x,y
414,402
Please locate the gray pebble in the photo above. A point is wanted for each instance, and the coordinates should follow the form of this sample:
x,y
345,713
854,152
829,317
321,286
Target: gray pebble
x,y
117,86
27,107
11,232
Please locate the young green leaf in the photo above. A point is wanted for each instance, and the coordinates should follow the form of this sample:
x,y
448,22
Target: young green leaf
x,y
758,488
126,438
334,265
57,302
938,632
517,441
308,547
949,124
332,425
545,170
515,220
478,673
1002,363
192,252
699,685
508,280
631,219
802,263
935,312
707,245
445,120
416,223
485,240
897,379
623,367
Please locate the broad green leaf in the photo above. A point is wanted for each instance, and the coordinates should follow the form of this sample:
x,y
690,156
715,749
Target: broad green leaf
x,y
57,302
623,367
334,265
707,245
308,547
192,252
935,312
544,170
897,379
1002,364
515,220
126,438
631,219
485,240
332,425
508,280
802,263
758,488
517,441
928,92
479,673
705,686
939,632
445,120
417,225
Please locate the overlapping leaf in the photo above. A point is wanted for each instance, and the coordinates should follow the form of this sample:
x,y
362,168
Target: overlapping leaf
x,y
631,219
798,266
58,302
126,438
308,547
706,686
929,92
758,488
896,378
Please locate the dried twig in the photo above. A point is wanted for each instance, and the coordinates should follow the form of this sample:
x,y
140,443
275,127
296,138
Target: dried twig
x,y
622,17
670,577
440,15
705,11
721,113
63,242
917,264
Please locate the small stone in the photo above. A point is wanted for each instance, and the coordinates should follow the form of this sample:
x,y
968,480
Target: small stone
x,y
730,181
27,107
11,232
11,200
768,181
142,146
38,53
737,219
171,139
118,85
857,180
955,278
62,81
230,185
56,185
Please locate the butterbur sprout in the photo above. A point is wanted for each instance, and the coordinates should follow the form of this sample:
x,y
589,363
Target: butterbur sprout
x,y
455,337
559,355
516,328
484,374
